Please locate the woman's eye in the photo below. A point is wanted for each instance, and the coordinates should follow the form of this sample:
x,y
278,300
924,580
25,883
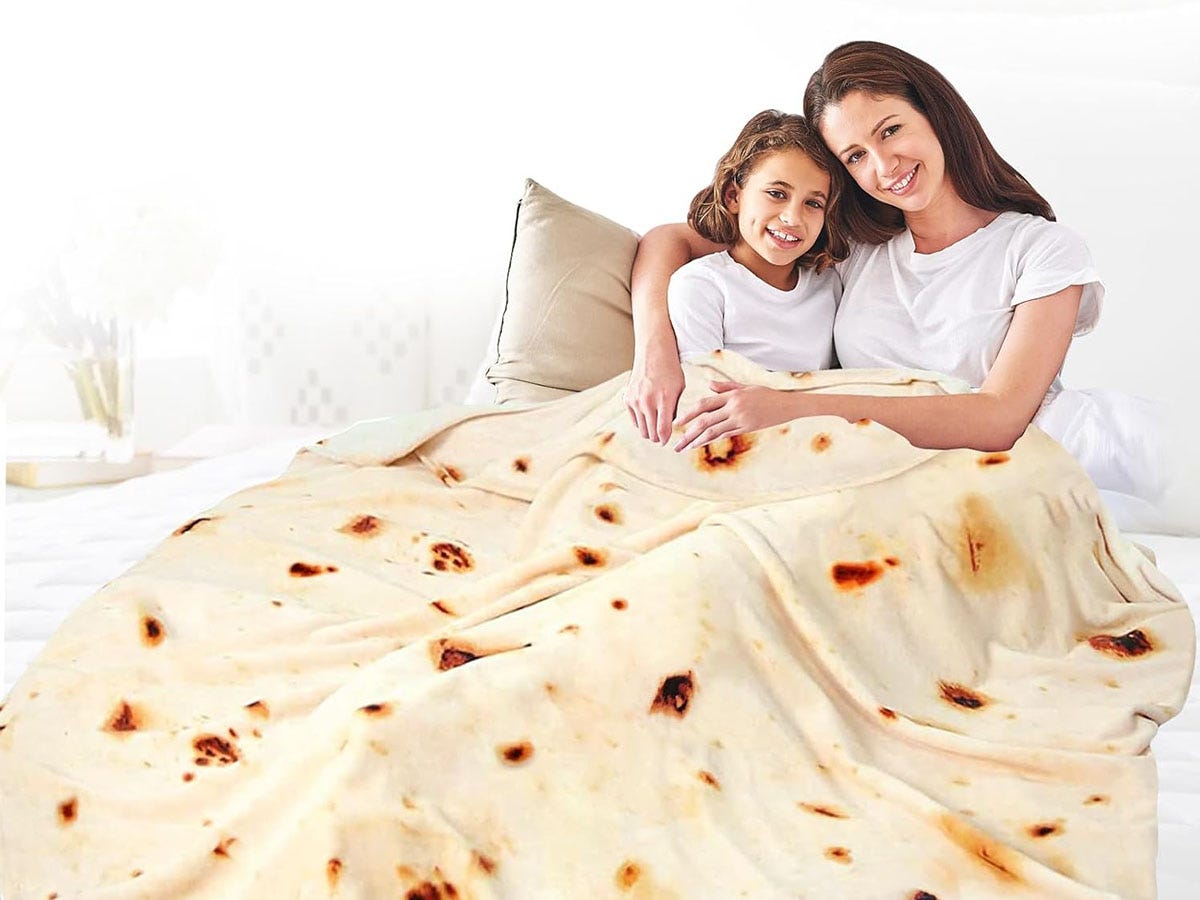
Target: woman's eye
x,y
890,130
853,157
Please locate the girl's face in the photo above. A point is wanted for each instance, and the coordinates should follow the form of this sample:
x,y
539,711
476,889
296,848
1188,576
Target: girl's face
x,y
889,149
780,212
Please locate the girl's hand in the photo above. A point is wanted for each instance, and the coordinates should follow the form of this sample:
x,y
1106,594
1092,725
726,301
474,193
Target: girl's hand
x,y
652,395
734,409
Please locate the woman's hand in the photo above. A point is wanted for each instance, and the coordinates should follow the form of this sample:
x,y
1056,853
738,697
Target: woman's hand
x,y
652,395
735,408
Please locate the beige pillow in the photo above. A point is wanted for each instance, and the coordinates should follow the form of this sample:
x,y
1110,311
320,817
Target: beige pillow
x,y
567,322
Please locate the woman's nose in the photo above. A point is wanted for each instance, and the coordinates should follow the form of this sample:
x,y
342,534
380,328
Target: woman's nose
x,y
885,165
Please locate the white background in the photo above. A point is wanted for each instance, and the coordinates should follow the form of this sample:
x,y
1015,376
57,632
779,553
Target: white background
x,y
381,145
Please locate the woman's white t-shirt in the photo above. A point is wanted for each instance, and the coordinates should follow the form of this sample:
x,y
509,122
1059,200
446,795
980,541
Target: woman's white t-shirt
x,y
717,303
949,311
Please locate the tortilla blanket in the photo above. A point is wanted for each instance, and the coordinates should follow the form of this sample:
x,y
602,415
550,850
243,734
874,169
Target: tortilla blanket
x,y
482,653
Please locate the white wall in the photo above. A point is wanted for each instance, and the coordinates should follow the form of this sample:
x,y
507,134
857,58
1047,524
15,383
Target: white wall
x,y
385,146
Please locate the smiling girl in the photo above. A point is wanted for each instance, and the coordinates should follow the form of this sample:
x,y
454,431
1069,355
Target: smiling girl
x,y
772,295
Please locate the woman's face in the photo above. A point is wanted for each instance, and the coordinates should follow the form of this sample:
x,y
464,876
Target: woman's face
x,y
889,149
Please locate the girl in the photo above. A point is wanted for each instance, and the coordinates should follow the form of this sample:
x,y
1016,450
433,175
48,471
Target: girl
x,y
956,265
772,295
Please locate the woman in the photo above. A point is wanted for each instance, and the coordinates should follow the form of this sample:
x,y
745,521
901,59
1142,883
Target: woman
x,y
956,265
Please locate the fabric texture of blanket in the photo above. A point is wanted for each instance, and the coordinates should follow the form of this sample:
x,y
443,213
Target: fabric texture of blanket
x,y
525,653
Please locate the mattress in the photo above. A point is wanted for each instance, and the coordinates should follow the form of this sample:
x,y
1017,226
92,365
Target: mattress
x,y
62,549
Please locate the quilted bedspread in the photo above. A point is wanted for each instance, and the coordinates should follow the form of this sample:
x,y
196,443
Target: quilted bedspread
x,y
526,653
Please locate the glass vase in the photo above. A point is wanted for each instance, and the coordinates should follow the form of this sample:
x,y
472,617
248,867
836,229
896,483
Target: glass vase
x,y
102,376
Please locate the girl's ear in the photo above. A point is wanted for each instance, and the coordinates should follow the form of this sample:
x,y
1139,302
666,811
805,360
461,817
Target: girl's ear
x,y
732,193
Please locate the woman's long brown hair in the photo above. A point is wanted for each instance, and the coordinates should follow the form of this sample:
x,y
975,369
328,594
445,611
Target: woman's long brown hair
x,y
979,174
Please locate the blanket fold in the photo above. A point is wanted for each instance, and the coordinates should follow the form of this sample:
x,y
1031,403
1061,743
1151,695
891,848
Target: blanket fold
x,y
525,653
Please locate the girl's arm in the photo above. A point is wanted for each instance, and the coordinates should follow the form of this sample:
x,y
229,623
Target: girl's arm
x,y
990,420
657,377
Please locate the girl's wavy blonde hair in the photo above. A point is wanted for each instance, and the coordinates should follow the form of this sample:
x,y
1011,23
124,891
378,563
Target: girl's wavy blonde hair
x,y
765,133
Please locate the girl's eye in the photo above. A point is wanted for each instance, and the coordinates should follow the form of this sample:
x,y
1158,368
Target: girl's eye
x,y
890,130
816,204
778,195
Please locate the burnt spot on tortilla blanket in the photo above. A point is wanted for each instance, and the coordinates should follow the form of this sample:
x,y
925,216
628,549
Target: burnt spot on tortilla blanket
x,y
333,872
448,654
223,847
887,713
923,895
68,811
448,556
521,464
839,855
376,710
1044,829
724,453
962,696
607,512
988,555
821,442
674,695
628,874
709,778
259,708
214,748
184,529
619,603
152,631
588,556
850,576
366,526
124,718
993,459
516,753
431,890
483,862
1095,798
308,570
443,607
448,475
1126,646
821,809
995,857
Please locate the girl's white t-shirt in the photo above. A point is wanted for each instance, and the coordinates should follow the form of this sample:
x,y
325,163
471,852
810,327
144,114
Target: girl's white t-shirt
x,y
949,311
717,303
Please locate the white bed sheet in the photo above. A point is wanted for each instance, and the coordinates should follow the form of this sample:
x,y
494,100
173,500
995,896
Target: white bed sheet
x,y
61,550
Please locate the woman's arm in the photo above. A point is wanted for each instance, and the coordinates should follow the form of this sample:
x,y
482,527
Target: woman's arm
x,y
657,377
990,420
